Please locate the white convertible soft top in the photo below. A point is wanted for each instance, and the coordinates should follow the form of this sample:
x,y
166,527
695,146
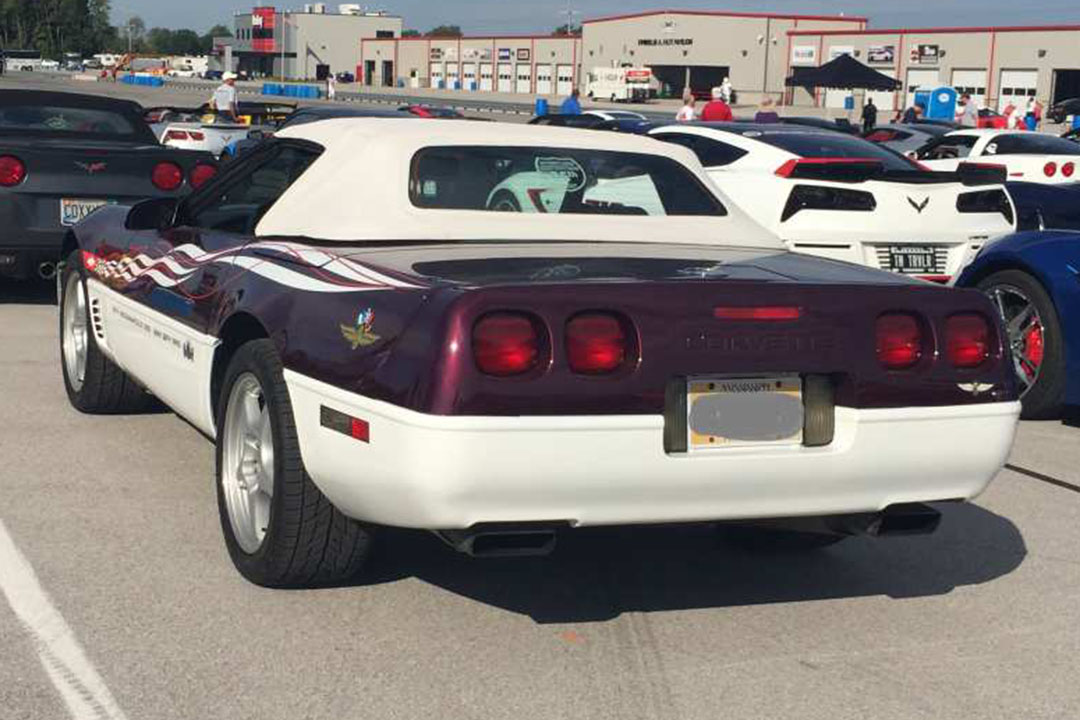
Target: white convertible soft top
x,y
358,189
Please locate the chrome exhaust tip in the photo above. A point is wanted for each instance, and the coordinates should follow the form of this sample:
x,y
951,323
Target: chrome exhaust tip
x,y
46,270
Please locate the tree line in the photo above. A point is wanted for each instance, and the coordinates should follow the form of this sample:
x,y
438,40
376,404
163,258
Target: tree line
x,y
55,27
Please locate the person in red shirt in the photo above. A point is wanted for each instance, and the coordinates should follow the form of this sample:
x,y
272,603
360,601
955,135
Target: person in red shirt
x,y
717,110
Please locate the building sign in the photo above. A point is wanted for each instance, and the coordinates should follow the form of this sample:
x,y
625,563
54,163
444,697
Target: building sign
x,y
263,22
804,55
836,51
504,53
881,54
436,54
925,54
664,42
523,55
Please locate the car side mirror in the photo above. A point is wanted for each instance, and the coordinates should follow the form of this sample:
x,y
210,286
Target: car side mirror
x,y
153,214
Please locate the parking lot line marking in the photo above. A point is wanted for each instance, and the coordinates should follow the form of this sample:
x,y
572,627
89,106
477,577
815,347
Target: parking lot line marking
x,y
83,690
1044,478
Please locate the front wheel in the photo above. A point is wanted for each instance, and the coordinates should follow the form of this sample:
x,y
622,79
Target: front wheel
x,y
1034,337
280,530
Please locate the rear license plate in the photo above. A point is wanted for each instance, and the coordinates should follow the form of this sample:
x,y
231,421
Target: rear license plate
x,y
744,412
915,259
73,210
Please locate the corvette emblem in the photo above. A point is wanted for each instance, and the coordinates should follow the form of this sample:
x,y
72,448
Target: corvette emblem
x,y
919,207
361,334
975,388
91,168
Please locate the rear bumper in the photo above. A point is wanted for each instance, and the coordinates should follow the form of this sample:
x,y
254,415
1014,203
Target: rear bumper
x,y
428,471
21,260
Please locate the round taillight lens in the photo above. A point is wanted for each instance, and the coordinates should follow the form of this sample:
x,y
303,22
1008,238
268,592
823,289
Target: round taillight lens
x,y
967,340
899,341
201,174
506,344
595,343
1050,169
1068,169
12,170
167,176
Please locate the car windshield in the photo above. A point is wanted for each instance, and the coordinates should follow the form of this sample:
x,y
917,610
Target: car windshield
x,y
556,181
50,118
835,145
1031,144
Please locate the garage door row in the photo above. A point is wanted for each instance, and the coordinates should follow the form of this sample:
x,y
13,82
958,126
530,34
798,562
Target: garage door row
x,y
504,77
1015,87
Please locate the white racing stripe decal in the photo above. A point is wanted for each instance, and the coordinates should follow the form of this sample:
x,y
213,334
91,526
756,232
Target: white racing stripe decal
x,y
83,690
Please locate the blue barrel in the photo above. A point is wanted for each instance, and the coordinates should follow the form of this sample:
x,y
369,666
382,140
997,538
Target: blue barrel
x,y
1076,122
849,102
541,107
1030,122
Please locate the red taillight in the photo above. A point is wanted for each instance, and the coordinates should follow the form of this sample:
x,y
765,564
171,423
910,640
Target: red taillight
x,y
967,340
176,135
505,344
595,343
1068,169
12,170
1049,169
195,135
899,341
773,312
167,176
200,174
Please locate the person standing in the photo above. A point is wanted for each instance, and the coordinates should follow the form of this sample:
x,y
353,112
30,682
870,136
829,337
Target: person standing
x,y
571,105
767,112
331,87
717,110
224,98
913,114
687,113
869,116
726,91
969,114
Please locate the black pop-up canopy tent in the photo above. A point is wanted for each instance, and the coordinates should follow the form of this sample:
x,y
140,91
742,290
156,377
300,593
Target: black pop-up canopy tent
x,y
843,73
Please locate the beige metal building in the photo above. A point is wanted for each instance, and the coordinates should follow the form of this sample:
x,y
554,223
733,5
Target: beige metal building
x,y
309,43
527,64
997,66
698,49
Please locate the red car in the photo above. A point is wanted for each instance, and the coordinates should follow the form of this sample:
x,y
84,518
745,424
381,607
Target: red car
x,y
429,111
991,119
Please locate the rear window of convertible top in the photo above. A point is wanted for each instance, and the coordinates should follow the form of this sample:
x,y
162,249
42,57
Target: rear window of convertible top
x,y
556,181
81,120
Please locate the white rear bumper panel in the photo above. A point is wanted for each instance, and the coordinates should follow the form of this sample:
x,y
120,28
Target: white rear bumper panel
x,y
439,472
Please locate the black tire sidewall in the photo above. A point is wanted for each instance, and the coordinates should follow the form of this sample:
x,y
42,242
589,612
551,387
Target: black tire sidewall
x,y
1045,398
260,566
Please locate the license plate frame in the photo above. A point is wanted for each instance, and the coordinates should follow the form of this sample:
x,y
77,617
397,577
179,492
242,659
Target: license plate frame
x,y
75,210
902,257
757,397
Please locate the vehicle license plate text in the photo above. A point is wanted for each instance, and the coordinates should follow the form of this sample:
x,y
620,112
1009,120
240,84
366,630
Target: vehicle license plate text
x,y
74,210
744,412
916,259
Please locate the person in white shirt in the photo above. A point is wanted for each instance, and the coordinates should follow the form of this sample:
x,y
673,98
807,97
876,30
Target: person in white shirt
x,y
224,98
726,91
331,87
969,114
686,112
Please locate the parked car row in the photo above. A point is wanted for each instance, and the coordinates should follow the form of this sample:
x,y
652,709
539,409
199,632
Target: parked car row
x,y
502,332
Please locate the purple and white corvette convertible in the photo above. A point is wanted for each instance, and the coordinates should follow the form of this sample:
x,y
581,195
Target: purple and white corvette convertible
x,y
370,341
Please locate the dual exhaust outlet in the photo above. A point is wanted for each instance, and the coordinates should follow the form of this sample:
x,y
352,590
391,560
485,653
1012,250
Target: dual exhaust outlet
x,y
530,539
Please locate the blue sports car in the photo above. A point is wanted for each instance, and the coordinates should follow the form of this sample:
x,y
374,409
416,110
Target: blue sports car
x,y
1034,279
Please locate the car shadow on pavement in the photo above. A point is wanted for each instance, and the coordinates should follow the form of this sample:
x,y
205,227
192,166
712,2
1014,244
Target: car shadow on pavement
x,y
599,573
27,292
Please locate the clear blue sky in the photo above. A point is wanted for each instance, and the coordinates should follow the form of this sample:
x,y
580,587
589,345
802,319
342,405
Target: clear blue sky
x,y
493,16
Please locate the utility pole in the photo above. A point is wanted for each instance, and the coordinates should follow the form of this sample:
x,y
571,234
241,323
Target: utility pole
x,y
569,12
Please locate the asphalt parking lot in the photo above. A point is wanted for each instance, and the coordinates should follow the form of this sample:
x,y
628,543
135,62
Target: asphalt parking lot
x,y
116,517
122,601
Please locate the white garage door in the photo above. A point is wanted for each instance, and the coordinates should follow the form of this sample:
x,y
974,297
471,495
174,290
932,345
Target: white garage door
x,y
564,75
524,78
487,73
920,80
436,76
543,79
506,78
1016,87
885,100
468,72
453,80
972,82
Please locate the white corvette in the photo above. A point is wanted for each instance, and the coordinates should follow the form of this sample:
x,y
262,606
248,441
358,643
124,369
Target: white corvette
x,y
1026,156
837,196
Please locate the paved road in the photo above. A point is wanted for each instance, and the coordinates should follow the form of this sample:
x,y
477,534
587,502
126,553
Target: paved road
x,y
117,517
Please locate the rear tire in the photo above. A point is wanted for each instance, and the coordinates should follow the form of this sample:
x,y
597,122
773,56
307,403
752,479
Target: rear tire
x,y
1044,397
751,538
94,383
280,530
